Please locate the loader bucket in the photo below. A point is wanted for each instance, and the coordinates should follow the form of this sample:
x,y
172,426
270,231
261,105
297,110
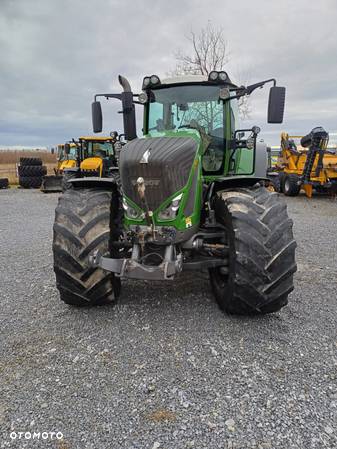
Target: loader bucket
x,y
52,183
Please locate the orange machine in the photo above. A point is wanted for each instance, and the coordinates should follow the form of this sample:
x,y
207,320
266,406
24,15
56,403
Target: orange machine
x,y
308,165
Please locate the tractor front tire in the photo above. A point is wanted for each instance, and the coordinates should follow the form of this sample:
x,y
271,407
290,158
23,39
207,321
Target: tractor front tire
x,y
261,259
290,185
67,175
84,222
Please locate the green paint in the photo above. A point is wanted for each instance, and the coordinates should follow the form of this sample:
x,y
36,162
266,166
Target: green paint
x,y
243,158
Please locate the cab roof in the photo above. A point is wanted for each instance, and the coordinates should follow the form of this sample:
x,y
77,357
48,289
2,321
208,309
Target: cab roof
x,y
97,138
185,79
189,79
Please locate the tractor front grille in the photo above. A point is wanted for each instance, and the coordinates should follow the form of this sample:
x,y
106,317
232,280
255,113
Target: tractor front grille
x,y
89,173
163,162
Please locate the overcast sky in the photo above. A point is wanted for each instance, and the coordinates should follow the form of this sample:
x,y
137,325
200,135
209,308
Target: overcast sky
x,y
56,54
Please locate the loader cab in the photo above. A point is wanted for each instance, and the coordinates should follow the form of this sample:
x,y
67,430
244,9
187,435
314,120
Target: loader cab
x,y
62,155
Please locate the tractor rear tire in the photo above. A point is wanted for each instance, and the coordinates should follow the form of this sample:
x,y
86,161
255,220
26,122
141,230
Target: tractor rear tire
x,y
30,182
30,161
3,183
290,185
32,170
261,252
85,222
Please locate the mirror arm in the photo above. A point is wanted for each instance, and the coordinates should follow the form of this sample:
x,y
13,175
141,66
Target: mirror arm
x,y
252,87
107,96
117,96
249,89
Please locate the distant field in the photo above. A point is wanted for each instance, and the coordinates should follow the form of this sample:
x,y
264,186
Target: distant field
x,y
9,159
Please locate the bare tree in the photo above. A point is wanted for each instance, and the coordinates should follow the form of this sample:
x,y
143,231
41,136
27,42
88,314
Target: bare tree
x,y
209,51
244,104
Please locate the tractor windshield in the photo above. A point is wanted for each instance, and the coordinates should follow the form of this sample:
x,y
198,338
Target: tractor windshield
x,y
191,107
61,153
98,149
187,106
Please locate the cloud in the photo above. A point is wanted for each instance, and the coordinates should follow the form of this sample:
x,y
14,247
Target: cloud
x,y
57,54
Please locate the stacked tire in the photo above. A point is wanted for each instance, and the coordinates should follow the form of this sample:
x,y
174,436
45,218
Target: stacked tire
x,y
31,172
4,183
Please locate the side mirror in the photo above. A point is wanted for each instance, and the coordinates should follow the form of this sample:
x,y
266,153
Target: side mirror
x,y
97,118
276,102
66,148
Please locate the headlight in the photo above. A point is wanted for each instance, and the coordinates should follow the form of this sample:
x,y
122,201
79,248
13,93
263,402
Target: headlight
x,y
154,79
131,212
149,81
213,76
170,212
146,81
223,76
142,97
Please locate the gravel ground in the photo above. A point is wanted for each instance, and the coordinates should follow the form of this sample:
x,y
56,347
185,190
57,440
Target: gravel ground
x,y
165,368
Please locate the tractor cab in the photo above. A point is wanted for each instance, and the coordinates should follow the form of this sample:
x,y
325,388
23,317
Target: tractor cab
x,y
197,106
66,159
98,155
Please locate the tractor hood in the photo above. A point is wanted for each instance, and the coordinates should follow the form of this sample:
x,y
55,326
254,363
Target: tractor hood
x,y
163,162
91,163
68,163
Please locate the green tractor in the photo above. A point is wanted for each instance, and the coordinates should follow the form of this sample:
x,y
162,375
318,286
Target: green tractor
x,y
192,196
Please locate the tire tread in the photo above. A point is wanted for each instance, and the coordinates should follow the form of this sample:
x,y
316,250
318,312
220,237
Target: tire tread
x,y
263,259
78,231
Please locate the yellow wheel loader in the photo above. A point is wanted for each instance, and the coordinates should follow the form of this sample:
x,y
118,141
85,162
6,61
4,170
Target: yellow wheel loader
x,y
309,165
65,161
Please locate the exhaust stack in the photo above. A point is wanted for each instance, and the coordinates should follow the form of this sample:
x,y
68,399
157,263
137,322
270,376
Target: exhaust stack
x,y
124,83
129,115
